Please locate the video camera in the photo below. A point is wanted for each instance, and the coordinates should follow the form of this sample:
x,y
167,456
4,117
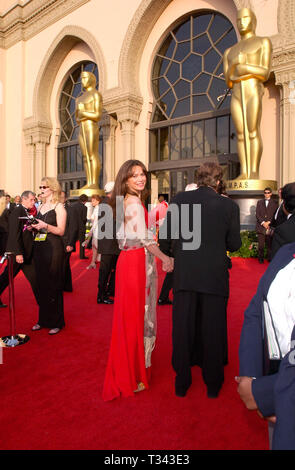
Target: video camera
x,y
30,220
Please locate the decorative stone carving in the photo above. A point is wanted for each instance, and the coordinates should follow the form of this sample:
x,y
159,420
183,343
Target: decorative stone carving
x,y
22,22
37,137
127,108
108,125
135,39
286,19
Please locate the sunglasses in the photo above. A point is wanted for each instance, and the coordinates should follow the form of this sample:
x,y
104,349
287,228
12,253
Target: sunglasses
x,y
43,187
267,192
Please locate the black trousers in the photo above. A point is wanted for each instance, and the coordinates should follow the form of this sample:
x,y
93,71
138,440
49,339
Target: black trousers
x,y
29,272
82,249
68,286
199,336
264,239
106,274
166,287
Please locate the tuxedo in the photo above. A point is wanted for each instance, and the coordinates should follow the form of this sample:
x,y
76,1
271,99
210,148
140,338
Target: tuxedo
x,y
264,213
20,242
109,250
279,216
79,213
283,234
4,223
201,284
11,206
274,394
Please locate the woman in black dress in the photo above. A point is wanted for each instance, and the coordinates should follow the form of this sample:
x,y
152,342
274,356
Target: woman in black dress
x,y
49,257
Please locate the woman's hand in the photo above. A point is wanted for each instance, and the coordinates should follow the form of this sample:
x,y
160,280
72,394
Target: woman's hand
x,y
40,225
168,264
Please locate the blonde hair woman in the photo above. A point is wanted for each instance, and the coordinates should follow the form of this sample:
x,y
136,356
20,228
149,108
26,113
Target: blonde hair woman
x,y
49,256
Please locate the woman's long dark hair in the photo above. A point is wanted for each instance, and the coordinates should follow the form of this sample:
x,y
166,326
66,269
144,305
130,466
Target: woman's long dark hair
x,y
121,188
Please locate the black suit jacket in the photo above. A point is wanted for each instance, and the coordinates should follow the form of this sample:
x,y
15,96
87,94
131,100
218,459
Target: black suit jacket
x,y
283,234
79,219
204,269
264,214
70,236
20,242
279,216
107,246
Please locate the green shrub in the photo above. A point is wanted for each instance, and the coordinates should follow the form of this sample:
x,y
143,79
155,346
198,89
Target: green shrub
x,y
249,247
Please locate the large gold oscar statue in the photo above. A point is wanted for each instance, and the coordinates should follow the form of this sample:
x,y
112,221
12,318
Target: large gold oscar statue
x,y
246,66
88,113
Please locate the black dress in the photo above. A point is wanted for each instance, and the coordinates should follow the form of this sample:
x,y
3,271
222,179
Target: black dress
x,y
49,265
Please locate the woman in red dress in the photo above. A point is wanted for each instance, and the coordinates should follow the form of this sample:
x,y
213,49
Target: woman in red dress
x,y
134,321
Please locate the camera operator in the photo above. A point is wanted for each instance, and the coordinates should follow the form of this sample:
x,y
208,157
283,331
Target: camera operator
x,y
20,242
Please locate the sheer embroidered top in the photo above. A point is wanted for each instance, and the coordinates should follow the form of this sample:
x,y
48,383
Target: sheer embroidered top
x,y
133,230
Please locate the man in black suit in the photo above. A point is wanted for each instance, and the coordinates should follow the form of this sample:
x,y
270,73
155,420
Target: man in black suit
x,y
69,242
201,286
265,211
285,232
9,205
4,223
20,242
279,215
109,250
79,211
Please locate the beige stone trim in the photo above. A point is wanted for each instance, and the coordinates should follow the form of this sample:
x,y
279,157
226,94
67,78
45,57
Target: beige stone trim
x,y
285,79
108,125
22,22
135,39
127,108
286,19
61,46
37,137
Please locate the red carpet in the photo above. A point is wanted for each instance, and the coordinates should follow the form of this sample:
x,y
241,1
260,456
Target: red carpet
x,y
51,387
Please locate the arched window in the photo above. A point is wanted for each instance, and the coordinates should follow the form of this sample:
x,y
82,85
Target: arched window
x,y
71,173
191,120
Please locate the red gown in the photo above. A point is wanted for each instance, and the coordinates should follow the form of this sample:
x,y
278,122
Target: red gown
x,y
126,366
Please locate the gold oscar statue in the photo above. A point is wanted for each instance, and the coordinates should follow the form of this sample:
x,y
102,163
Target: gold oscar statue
x,y
246,66
88,113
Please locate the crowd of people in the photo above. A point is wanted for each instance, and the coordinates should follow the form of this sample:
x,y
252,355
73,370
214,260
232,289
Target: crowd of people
x,y
192,237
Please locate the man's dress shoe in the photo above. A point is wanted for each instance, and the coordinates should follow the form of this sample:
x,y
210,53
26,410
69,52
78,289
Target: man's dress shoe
x,y
164,302
104,301
212,392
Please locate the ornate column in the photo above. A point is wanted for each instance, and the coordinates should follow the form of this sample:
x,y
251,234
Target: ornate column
x,y
127,108
29,162
108,125
40,162
284,69
37,137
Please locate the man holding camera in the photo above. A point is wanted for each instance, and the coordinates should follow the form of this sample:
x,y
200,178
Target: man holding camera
x,y
20,242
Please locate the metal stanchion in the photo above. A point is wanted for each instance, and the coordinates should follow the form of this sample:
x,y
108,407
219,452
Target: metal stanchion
x,y
13,339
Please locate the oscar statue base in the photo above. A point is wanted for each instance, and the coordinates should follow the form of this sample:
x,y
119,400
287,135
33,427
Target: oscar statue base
x,y
12,341
246,193
250,185
89,192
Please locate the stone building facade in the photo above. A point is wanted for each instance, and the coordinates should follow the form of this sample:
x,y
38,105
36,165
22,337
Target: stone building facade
x,y
159,107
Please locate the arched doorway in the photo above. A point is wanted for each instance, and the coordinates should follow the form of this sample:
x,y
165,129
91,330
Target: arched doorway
x,y
191,120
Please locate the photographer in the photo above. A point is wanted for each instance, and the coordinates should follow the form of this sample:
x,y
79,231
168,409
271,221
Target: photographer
x,y
20,242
